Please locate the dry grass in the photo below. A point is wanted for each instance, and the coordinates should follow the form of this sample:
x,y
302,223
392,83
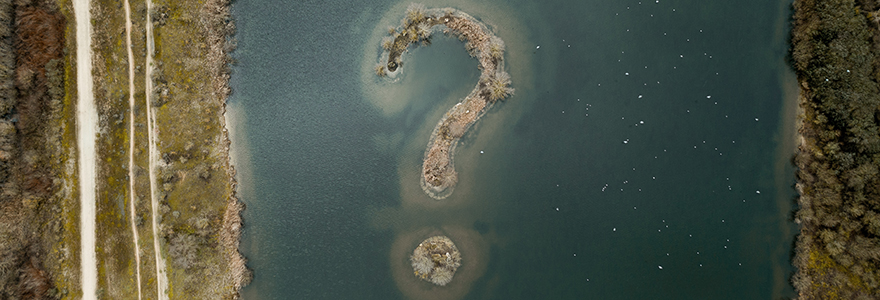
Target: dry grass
x,y
33,152
438,172
200,212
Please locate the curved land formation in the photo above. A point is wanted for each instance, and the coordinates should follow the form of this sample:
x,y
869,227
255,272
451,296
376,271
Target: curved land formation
x,y
165,220
438,173
836,55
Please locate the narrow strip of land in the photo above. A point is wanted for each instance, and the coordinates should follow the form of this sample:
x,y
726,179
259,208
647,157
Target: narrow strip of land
x,y
438,172
161,275
86,120
131,137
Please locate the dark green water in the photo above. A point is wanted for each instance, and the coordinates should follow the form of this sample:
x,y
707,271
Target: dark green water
x,y
645,153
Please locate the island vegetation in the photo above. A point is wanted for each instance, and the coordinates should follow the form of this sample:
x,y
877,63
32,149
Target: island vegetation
x,y
438,172
836,55
435,260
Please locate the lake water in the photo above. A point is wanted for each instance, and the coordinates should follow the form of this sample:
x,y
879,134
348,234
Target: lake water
x,y
645,154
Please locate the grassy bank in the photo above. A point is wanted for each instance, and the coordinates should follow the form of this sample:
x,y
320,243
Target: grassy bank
x,y
198,208
115,250
835,54
194,182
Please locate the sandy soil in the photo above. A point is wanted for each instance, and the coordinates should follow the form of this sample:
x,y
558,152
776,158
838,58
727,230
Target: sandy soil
x,y
131,175
86,120
161,273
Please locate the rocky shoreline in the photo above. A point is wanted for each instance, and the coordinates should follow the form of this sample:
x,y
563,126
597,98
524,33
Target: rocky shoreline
x,y
221,42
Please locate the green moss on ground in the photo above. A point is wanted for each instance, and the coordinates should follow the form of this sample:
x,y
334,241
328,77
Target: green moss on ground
x,y
195,179
115,251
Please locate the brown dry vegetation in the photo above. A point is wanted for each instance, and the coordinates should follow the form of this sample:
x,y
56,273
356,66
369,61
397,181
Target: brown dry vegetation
x,y
438,172
835,51
34,125
39,238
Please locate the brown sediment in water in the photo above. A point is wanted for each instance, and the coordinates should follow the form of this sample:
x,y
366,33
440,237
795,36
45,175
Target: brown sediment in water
x,y
438,172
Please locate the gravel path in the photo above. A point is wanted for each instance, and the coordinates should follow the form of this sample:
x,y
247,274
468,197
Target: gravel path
x,y
86,121
161,273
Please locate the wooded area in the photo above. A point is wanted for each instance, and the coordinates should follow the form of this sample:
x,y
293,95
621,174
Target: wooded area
x,y
835,48
31,98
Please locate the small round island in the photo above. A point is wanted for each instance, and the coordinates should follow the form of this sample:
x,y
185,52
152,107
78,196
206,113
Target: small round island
x,y
435,260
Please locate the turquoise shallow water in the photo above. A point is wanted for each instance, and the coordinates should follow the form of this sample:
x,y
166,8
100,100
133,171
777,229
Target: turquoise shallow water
x,y
644,155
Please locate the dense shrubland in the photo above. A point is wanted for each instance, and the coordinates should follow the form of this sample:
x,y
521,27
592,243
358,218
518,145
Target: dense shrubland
x,y
32,94
834,52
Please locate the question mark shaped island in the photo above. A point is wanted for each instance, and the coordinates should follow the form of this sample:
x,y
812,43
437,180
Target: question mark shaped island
x,y
438,173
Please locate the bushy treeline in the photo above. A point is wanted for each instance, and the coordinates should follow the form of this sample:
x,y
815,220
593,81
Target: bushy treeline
x,y
31,94
7,92
9,235
835,55
7,59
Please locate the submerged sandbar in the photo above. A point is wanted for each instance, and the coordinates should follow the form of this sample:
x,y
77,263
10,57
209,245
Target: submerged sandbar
x,y
438,173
